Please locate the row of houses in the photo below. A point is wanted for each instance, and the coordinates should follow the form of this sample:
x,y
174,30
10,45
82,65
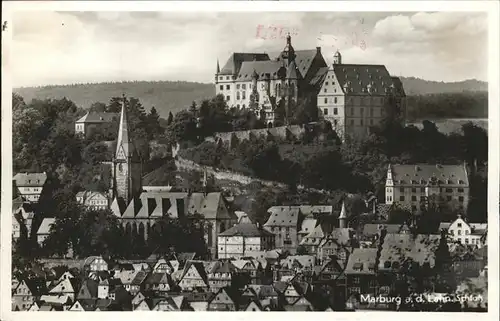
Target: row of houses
x,y
267,281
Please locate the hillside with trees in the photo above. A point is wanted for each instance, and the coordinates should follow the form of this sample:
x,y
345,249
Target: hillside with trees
x,y
467,99
165,96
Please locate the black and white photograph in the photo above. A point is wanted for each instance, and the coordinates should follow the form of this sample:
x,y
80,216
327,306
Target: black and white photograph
x,y
249,160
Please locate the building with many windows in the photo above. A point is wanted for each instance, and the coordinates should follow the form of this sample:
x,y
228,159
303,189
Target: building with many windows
x,y
255,81
30,185
94,122
243,240
355,97
93,200
415,185
466,233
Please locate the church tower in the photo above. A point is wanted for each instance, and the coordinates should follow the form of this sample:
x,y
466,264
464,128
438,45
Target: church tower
x,y
337,58
127,165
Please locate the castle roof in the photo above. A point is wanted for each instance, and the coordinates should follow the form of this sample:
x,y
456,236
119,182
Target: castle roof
x,y
358,77
233,64
422,173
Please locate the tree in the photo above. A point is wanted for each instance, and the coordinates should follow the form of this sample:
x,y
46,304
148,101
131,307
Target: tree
x,y
98,107
183,128
170,118
153,124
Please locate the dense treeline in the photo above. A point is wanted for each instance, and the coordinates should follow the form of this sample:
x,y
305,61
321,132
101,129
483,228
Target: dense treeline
x,y
166,96
44,140
448,105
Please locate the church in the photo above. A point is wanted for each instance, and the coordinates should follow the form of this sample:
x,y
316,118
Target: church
x,y
139,210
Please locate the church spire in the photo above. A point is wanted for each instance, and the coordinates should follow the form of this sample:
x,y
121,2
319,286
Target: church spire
x,y
124,146
218,67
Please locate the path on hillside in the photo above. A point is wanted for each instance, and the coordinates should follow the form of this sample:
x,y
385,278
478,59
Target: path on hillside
x,y
185,164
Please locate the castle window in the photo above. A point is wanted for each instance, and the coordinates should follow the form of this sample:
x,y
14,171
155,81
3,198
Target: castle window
x,y
325,111
413,198
244,106
361,122
238,86
227,97
237,95
335,99
461,199
460,190
325,90
244,86
352,122
326,100
401,198
335,111
335,122
243,94
227,78
238,106
228,87
326,83
402,189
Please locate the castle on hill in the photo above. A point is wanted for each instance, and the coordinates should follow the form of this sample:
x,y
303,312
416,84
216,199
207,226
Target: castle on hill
x,y
352,97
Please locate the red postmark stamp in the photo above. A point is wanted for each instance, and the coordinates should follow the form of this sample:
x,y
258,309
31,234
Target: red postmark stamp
x,y
274,32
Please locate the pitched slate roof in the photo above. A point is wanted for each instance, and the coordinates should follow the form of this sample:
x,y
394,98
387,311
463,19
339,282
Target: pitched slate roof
x,y
45,226
371,229
30,179
139,278
271,67
233,64
398,247
96,117
362,261
283,216
318,78
304,60
359,76
246,230
315,209
445,174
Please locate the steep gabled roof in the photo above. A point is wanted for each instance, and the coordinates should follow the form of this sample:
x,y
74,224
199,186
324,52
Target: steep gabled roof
x,y
283,216
362,261
233,64
30,179
447,174
246,230
45,226
359,76
98,117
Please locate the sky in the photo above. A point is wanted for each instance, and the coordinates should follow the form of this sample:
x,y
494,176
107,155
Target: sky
x,y
52,48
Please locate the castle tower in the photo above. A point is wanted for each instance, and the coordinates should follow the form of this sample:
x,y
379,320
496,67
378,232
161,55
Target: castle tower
x,y
254,95
217,72
288,53
343,216
127,165
337,58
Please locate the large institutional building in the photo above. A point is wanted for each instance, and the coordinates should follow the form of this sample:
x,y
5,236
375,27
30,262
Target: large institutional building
x,y
352,97
413,185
